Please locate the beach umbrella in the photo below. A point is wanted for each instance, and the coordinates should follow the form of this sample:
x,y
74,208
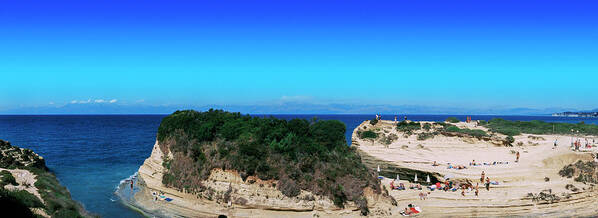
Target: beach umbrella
x,y
428,178
398,177
415,178
378,168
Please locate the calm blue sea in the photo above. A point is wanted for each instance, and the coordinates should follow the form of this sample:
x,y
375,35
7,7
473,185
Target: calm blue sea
x,y
91,154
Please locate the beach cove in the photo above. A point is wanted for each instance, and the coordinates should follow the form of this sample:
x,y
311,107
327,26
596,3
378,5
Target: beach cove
x,y
514,186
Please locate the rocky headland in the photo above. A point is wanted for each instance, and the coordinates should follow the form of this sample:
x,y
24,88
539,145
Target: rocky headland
x,y
206,164
28,189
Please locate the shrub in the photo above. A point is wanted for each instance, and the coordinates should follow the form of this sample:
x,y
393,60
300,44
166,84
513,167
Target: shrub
x,y
424,135
368,135
374,121
288,187
472,132
452,120
7,178
405,126
509,140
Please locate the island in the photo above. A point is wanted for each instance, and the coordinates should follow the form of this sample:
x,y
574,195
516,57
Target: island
x,y
575,114
218,163
29,189
485,168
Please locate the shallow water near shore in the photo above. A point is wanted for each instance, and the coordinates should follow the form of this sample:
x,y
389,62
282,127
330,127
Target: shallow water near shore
x,y
92,154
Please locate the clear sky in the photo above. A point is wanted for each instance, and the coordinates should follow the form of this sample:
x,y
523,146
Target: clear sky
x,y
452,53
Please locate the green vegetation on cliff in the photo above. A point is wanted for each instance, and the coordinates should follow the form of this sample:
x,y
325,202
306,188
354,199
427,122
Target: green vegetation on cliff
x,y
300,154
57,199
471,132
452,120
512,128
369,134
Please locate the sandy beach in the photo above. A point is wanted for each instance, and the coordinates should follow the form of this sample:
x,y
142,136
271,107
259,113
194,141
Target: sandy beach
x,y
536,171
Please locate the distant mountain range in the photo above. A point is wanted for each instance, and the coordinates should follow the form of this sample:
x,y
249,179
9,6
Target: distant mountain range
x,y
281,108
591,113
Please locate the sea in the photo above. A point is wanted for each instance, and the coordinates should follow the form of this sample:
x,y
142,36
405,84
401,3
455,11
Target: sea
x,y
92,154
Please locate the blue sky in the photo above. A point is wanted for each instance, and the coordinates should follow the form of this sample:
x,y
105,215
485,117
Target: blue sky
x,y
449,53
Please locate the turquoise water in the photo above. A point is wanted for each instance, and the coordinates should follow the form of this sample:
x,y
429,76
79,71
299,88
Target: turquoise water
x,y
92,154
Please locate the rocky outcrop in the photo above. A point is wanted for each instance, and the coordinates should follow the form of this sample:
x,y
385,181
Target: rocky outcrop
x,y
27,187
226,192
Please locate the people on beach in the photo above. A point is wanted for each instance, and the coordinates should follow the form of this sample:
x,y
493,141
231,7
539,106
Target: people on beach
x,y
435,164
487,183
131,184
517,160
555,143
477,191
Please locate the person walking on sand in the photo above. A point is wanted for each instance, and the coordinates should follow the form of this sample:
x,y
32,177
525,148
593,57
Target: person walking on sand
x,y
517,160
483,175
487,183
477,191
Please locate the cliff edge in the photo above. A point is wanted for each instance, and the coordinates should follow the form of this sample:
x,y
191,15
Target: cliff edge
x,y
190,176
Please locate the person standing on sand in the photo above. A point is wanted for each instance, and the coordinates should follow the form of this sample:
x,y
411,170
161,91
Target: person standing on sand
x,y
517,160
483,175
555,142
488,183
477,191
131,184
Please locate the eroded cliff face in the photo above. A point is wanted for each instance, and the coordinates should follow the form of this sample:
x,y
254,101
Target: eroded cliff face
x,y
225,192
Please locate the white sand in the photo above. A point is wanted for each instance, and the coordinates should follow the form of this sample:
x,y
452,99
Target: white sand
x,y
516,180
